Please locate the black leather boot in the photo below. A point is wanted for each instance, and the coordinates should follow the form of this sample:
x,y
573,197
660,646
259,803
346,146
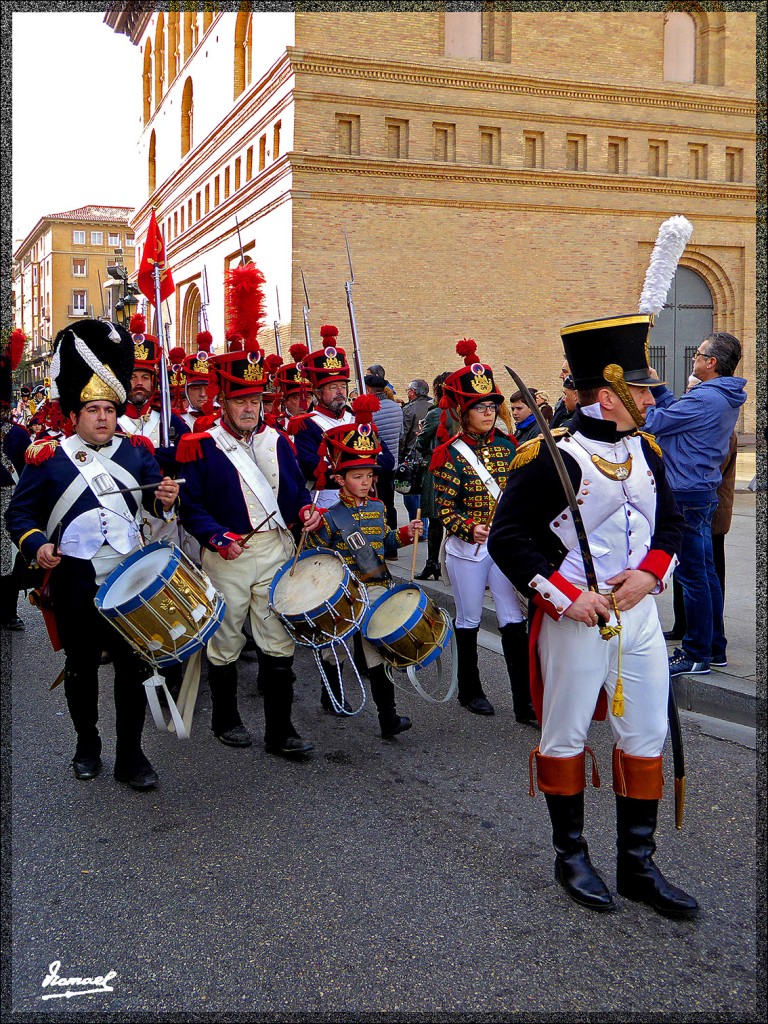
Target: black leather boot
x,y
471,695
637,877
514,643
81,690
280,737
333,674
573,868
383,693
131,763
225,717
430,569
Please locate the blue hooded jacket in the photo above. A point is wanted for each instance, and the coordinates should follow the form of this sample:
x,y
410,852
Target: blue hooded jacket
x,y
694,432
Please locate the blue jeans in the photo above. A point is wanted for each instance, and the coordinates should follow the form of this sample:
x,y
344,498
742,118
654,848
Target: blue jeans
x,y
703,596
412,504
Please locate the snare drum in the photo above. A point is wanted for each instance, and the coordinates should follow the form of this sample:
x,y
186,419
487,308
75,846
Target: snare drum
x,y
164,606
322,602
407,628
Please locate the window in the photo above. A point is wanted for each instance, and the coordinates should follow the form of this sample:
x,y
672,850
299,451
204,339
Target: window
x,y
113,239
207,198
276,140
533,149
198,205
249,164
189,213
226,183
79,267
464,35
79,302
152,164
679,47
130,240
97,238
243,56
176,223
146,80
444,148
181,219
657,158
490,145
348,134
187,110
262,152
576,152
697,160
617,155
397,139
216,191
238,165
734,164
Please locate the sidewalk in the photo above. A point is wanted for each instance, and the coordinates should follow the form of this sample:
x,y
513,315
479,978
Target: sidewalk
x,y
728,694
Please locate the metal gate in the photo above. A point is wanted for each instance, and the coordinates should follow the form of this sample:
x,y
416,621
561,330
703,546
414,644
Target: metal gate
x,y
680,327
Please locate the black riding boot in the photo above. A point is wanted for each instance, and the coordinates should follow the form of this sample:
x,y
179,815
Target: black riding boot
x,y
280,737
225,717
383,693
573,868
131,763
514,643
637,877
333,674
81,690
471,695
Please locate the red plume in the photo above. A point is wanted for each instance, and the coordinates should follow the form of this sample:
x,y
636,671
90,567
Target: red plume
x,y
138,324
236,345
245,303
177,355
467,348
298,352
329,331
15,350
364,406
204,340
272,362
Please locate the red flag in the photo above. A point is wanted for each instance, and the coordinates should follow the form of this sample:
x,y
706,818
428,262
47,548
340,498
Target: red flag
x,y
154,254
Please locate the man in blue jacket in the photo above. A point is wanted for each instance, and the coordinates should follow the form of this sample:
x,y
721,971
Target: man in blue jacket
x,y
694,433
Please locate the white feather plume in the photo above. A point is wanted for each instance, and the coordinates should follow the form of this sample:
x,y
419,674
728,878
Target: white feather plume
x,y
671,240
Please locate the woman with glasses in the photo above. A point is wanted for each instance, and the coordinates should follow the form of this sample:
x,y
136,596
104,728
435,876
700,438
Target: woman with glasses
x,y
470,473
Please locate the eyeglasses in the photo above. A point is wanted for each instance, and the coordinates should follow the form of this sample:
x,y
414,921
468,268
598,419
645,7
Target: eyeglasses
x,y
341,388
485,407
703,355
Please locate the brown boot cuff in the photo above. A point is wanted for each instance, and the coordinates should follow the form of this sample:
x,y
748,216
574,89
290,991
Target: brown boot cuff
x,y
639,778
560,776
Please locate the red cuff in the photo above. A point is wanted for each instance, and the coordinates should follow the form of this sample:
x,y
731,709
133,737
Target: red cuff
x,y
402,536
555,601
658,562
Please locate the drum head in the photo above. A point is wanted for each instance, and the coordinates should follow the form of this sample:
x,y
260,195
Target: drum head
x,y
136,577
393,612
315,580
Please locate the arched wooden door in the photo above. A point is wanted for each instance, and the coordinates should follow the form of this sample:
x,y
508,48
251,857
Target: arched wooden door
x,y
680,327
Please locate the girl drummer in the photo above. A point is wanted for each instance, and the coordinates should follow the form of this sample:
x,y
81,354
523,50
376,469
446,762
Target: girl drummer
x,y
470,473
348,452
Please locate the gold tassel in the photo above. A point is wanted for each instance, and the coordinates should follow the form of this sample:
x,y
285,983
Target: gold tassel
x,y
617,704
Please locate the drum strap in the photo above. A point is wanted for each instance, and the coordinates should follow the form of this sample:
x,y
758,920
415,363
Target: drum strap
x,y
469,456
249,471
132,426
369,564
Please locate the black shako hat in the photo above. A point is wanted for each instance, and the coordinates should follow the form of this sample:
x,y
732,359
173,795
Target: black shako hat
x,y
601,351
92,361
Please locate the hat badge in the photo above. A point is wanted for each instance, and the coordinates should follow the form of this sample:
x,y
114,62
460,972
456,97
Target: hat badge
x,y
332,362
481,383
141,351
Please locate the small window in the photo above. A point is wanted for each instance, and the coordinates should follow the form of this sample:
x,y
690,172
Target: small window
x,y
276,140
238,168
576,152
226,183
79,302
533,149
249,164
490,145
697,161
97,238
657,158
207,198
262,152
216,191
79,267
348,134
78,238
734,164
113,239
397,139
130,240
189,213
444,148
617,155
198,204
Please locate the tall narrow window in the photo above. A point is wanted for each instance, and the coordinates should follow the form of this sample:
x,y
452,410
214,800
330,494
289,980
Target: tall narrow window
x,y
243,56
734,164
159,59
576,152
348,134
146,81
679,47
79,302
533,149
697,160
152,164
216,191
207,198
444,147
249,163
617,155
181,219
189,213
173,44
490,145
238,165
187,106
198,206
190,26
175,223
397,138
276,140
262,152
657,158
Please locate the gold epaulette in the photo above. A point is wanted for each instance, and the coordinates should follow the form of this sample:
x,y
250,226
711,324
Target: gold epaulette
x,y
529,450
651,439
40,451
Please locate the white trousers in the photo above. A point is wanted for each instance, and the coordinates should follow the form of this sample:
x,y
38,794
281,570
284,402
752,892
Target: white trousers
x,y
244,583
576,663
470,574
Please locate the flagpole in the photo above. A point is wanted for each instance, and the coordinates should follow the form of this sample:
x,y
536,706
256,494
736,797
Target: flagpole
x,y
165,390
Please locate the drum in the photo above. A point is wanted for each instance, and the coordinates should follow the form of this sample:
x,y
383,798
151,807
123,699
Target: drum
x,y
407,628
164,606
322,602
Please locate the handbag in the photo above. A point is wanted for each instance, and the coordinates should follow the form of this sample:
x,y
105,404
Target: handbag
x,y
409,473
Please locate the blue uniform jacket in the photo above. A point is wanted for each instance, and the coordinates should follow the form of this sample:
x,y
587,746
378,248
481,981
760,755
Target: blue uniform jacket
x,y
42,485
16,440
212,502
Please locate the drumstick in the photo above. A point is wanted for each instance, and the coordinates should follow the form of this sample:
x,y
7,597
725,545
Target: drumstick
x,y
303,536
415,544
257,528
138,487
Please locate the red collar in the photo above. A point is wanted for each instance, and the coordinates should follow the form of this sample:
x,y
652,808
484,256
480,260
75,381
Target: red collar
x,y
328,412
134,412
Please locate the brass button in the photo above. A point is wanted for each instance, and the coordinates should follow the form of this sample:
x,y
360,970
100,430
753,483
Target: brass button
x,y
546,594
534,584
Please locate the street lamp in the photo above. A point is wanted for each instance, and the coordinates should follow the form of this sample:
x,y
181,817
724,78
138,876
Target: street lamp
x,y
126,305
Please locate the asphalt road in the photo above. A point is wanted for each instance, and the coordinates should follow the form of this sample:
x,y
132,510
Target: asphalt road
x,y
404,877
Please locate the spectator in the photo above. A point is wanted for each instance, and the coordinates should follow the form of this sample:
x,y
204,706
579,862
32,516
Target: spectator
x,y
570,399
414,411
389,424
560,412
526,425
377,370
425,445
694,433
542,400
